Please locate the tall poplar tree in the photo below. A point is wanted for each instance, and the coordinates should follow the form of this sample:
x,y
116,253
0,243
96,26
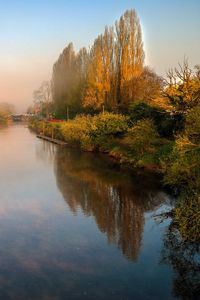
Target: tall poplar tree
x,y
129,54
103,75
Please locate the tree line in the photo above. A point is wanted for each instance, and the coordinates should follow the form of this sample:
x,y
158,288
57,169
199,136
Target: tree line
x,y
109,75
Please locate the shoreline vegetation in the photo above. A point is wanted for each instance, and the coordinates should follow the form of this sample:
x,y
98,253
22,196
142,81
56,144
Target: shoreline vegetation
x,y
138,146
110,102
6,110
3,119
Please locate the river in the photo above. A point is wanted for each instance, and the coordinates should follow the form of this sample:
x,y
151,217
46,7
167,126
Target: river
x,y
77,226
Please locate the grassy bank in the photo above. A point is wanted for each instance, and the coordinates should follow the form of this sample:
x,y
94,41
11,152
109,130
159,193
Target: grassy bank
x,y
135,143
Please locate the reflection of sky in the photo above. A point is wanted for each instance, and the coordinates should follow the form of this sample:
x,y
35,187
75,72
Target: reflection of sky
x,y
20,175
33,33
48,253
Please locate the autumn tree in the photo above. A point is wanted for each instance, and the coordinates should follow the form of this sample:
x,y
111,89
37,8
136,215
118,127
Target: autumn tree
x,y
69,80
99,72
146,87
129,54
103,75
183,87
63,80
116,58
93,94
43,97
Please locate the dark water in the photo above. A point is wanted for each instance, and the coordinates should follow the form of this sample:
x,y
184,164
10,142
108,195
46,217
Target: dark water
x,y
75,226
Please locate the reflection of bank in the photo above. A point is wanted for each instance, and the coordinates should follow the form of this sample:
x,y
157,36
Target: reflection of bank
x,y
45,151
115,199
184,258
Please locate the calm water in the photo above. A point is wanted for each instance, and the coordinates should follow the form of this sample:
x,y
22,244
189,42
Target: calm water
x,y
75,226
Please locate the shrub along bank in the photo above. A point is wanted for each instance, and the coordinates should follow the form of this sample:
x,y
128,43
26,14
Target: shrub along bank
x,y
137,143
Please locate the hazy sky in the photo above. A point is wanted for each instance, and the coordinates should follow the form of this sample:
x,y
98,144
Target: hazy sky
x,y
34,32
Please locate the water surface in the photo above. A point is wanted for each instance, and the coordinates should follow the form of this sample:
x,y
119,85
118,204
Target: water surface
x,y
75,226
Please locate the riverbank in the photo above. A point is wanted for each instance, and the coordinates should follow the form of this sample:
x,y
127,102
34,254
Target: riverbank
x,y
139,145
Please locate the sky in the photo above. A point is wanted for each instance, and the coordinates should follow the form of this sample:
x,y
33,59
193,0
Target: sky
x,y
34,32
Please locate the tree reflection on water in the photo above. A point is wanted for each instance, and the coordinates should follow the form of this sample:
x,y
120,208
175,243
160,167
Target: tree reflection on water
x,y
115,199
184,257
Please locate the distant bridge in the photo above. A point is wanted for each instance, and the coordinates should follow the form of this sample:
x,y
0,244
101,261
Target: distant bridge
x,y
21,117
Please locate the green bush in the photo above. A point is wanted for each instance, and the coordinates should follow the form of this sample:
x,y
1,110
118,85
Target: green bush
x,y
49,129
77,131
187,217
52,129
140,110
165,149
192,126
183,165
91,133
106,127
110,124
165,123
142,137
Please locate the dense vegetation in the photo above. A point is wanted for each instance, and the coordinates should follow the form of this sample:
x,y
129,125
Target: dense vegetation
x,y
6,110
113,103
3,119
